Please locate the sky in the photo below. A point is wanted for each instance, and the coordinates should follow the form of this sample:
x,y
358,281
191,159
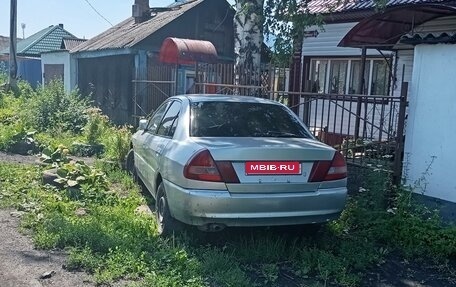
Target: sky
x,y
77,16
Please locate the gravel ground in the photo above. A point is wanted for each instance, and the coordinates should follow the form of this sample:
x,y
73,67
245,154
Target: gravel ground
x,y
16,158
22,266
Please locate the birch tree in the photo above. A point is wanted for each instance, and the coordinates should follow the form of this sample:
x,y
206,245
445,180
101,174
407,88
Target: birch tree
x,y
286,20
248,39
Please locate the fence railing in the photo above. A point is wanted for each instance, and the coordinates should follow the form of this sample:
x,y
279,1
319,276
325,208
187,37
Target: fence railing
x,y
366,129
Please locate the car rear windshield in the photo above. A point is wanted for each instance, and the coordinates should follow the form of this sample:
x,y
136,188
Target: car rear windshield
x,y
240,119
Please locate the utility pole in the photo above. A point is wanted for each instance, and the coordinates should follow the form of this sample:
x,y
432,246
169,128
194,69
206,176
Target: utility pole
x,y
13,47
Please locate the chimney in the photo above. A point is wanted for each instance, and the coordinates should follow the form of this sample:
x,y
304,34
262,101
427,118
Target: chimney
x,y
140,10
61,25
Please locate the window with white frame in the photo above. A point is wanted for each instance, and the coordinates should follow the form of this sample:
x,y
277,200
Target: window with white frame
x,y
341,76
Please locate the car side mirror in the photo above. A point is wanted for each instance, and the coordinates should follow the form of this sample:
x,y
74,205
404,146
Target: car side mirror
x,y
142,125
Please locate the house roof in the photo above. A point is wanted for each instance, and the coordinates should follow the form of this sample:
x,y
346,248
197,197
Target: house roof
x,y
340,6
429,38
128,33
71,43
46,40
383,30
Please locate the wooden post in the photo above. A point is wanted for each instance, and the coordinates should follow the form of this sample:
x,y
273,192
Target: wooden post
x,y
360,91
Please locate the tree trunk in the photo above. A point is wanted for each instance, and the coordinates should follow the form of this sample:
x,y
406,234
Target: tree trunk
x,y
248,26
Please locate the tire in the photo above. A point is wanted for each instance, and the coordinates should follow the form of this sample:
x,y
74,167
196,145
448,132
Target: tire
x,y
130,164
166,224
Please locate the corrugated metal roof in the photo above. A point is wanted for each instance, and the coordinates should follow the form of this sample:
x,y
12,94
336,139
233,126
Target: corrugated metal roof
x,y
337,6
48,39
128,33
429,38
71,43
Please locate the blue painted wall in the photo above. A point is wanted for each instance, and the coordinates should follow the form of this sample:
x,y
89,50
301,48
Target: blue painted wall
x,y
27,69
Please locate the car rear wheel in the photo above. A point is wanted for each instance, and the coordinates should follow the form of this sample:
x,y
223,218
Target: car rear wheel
x,y
166,224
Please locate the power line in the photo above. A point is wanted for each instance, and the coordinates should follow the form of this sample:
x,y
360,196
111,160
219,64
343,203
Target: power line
x,y
96,11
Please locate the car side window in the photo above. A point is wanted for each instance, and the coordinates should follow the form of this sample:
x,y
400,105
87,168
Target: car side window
x,y
156,118
169,122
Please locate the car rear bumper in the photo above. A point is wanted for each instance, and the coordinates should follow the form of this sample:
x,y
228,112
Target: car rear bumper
x,y
201,207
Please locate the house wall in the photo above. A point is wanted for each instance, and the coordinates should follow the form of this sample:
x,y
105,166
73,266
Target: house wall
x,y
28,69
340,119
109,82
62,58
325,44
429,141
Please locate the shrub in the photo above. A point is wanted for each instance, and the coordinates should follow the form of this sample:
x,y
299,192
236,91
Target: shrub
x,y
117,142
96,125
50,108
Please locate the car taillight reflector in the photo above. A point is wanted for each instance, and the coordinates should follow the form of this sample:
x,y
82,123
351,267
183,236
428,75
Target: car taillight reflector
x,y
329,170
203,167
227,171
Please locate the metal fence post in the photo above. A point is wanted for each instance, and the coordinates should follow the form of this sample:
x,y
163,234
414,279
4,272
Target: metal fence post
x,y
360,91
400,136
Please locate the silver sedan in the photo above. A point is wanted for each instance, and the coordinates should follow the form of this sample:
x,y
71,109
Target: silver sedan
x,y
214,161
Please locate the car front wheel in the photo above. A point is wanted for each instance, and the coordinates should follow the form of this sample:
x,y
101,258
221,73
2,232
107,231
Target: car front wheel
x,y
130,163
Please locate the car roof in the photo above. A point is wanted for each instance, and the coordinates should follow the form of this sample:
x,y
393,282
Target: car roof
x,y
226,98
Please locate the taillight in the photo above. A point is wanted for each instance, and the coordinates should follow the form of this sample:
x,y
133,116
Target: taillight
x,y
227,171
203,167
329,170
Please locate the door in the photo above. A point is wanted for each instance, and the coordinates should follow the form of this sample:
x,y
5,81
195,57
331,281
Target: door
x,y
53,72
148,147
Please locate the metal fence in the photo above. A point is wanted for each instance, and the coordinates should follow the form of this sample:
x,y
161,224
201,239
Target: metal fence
x,y
367,129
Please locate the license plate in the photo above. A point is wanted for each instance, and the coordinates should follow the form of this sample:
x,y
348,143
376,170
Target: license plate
x,y
272,167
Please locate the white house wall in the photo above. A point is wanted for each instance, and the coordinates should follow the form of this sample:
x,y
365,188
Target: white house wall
x,y
330,115
403,71
325,44
63,58
444,24
430,137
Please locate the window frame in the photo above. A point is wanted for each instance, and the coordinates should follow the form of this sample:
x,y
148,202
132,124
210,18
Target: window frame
x,y
176,118
348,77
164,104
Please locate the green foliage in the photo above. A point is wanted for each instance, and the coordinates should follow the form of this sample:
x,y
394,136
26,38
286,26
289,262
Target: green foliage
x,y
54,140
50,108
83,149
79,174
117,142
9,134
97,123
55,157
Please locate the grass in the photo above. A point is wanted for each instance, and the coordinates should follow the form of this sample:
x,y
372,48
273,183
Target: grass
x,y
112,241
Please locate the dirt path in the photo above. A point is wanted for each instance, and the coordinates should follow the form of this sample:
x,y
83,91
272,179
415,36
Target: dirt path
x,y
22,266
